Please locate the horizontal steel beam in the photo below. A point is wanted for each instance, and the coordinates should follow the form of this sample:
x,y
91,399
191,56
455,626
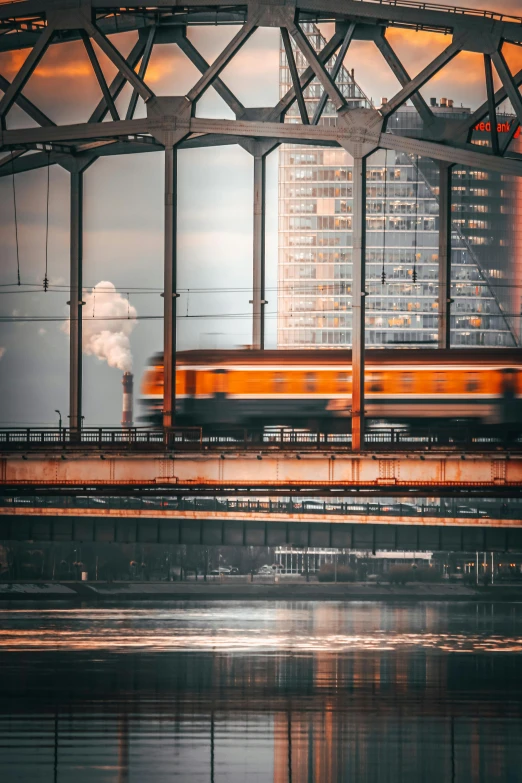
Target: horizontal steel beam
x,y
413,15
370,536
242,515
465,155
248,472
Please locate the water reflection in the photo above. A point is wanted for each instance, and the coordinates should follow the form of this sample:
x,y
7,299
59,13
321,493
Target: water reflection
x,y
262,692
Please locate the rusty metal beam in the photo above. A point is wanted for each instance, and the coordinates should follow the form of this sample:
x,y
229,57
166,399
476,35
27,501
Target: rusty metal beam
x,y
241,515
377,474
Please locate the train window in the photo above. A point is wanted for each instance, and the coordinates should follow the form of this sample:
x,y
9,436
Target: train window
x,y
375,382
310,381
472,382
509,382
220,381
407,381
279,382
343,380
440,383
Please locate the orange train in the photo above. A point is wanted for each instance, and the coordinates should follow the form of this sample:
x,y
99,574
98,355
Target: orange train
x,y
312,388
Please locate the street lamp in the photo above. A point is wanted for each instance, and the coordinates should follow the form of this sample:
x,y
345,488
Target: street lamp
x,y
59,421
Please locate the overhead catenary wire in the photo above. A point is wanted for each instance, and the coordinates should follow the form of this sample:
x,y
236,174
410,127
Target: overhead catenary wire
x,y
302,287
211,316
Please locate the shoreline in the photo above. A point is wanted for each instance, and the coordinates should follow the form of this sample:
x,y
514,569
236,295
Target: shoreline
x,y
102,592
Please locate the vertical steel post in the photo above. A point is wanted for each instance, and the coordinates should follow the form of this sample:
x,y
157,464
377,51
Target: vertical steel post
x,y
258,284
444,300
169,288
358,299
75,305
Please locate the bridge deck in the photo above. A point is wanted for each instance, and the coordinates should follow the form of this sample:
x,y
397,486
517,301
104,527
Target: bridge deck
x,y
243,472
208,529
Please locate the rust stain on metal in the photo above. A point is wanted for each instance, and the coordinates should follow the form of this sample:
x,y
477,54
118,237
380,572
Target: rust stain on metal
x,y
264,516
271,471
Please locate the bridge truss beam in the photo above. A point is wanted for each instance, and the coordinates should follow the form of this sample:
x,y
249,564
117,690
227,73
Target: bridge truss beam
x,y
171,122
62,525
244,473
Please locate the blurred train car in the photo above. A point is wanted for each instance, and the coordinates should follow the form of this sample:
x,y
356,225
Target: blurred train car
x,y
312,389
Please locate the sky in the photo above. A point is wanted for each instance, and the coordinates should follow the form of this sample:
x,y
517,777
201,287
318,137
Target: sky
x,y
123,217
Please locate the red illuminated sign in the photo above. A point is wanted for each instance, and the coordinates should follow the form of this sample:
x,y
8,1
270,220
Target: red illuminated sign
x,y
502,127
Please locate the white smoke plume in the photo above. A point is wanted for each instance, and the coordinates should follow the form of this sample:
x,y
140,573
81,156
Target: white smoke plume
x,y
107,339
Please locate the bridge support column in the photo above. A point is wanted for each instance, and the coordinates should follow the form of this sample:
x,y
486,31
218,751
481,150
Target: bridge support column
x,y
258,284
75,305
444,300
358,299
169,288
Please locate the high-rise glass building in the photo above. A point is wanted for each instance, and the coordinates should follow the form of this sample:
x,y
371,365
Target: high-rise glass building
x,y
315,239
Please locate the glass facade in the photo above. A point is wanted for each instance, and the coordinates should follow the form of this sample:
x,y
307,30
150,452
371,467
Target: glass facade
x,y
315,239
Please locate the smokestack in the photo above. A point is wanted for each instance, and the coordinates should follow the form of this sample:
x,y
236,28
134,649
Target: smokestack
x,y
443,101
128,388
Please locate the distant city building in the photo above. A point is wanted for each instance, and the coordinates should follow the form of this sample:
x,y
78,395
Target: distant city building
x,y
298,560
315,238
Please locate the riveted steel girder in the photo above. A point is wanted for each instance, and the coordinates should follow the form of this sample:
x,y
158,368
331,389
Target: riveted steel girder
x,y
240,472
463,154
414,15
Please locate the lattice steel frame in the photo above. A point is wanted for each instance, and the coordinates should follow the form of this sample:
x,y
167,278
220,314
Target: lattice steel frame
x,y
171,123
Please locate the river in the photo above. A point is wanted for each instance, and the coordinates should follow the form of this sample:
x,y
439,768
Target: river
x,y
289,692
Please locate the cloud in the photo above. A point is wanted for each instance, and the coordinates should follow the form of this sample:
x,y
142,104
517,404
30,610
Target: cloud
x,y
108,320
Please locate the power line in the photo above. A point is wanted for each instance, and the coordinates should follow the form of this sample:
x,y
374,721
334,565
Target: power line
x,y
232,316
311,286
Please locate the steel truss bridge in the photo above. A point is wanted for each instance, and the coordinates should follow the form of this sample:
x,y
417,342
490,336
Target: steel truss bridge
x,y
260,470
72,520
172,122
221,522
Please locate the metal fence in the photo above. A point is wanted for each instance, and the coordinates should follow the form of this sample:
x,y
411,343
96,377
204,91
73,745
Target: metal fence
x,y
195,439
446,508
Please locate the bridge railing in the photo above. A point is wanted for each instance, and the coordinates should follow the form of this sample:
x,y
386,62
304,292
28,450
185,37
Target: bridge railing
x,y
419,5
194,439
444,509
